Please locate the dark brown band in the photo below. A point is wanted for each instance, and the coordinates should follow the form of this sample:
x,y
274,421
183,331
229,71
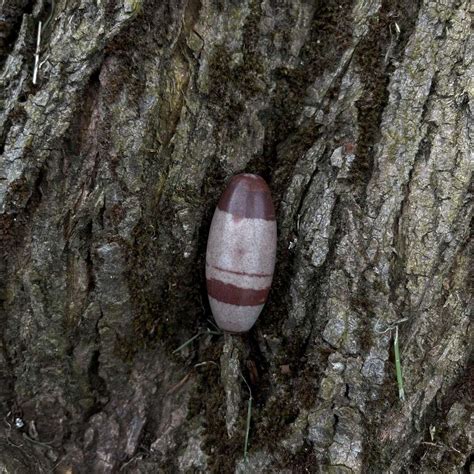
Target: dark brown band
x,y
231,294
248,196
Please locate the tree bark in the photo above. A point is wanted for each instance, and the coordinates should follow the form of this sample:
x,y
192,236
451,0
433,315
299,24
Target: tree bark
x,y
359,116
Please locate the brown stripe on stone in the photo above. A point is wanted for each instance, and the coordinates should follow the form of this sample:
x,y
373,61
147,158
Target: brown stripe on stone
x,y
234,272
248,196
231,294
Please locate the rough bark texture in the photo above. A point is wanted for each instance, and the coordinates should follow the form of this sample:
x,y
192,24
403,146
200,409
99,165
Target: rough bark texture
x,y
358,114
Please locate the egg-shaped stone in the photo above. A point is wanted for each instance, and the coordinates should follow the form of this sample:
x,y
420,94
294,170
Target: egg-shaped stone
x,y
241,251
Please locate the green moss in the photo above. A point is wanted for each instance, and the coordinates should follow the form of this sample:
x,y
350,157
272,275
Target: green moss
x,y
375,73
133,6
208,401
231,84
363,306
304,460
270,417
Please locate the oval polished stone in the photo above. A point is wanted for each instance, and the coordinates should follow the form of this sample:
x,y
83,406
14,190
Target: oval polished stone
x,y
241,251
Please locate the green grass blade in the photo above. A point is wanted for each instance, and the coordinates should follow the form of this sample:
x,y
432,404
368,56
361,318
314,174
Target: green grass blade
x,y
247,428
398,367
182,346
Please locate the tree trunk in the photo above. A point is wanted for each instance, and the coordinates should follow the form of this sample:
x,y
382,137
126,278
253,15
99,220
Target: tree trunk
x,y
358,116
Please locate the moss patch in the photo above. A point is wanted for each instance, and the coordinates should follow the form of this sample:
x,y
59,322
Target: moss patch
x,y
209,401
329,36
375,68
230,86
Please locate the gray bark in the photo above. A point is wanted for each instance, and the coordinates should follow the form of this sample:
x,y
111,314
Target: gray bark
x,y
358,114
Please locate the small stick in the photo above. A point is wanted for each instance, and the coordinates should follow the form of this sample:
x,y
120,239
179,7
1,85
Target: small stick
x,y
398,367
44,60
41,443
441,446
392,327
249,419
247,429
37,54
200,364
179,384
